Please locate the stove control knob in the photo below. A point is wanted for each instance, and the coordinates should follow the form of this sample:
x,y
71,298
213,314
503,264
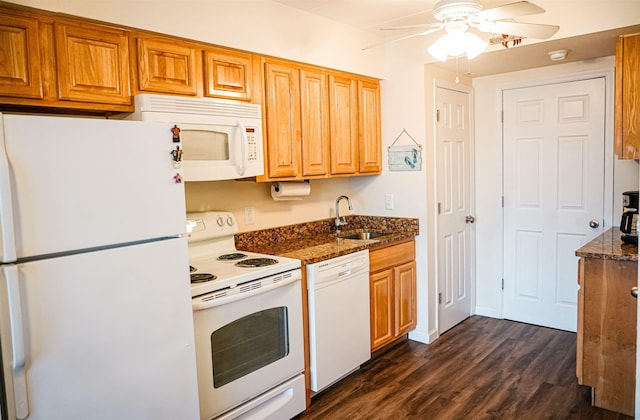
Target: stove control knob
x,y
230,221
220,222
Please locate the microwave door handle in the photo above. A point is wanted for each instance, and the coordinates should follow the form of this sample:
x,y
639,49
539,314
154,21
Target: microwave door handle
x,y
243,134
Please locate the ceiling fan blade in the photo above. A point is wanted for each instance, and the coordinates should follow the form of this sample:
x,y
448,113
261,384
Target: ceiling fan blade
x,y
511,10
528,30
419,25
389,41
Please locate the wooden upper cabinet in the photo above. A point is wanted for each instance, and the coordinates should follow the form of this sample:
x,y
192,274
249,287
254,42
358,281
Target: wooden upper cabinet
x,y
92,64
168,66
228,74
315,123
627,98
282,102
20,74
343,115
369,127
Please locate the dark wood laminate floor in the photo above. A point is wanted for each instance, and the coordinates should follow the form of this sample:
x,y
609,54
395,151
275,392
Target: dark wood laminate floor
x,y
484,368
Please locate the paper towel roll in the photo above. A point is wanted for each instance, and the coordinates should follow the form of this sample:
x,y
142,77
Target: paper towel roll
x,y
292,190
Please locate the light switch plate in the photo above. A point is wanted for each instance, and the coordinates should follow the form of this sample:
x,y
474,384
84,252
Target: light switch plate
x,y
388,201
249,215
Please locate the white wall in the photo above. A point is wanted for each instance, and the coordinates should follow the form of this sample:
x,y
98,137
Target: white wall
x,y
488,160
403,107
236,196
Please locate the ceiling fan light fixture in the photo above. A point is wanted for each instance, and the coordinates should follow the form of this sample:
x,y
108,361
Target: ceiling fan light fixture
x,y
439,49
474,46
457,42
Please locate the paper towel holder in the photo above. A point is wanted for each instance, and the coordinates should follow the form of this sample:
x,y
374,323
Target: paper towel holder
x,y
277,187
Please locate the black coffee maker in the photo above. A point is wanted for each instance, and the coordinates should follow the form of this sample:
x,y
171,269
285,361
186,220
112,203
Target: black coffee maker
x,y
629,222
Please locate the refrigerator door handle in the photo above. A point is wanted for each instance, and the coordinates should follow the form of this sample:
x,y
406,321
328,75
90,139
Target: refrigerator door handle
x,y
17,342
7,234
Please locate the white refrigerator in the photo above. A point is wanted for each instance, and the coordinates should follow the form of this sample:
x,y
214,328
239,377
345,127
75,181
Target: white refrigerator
x,y
95,306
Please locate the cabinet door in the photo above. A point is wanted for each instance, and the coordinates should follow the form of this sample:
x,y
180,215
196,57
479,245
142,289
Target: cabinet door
x,y
343,117
404,278
627,123
19,57
167,66
579,328
92,64
381,307
369,128
282,100
315,123
228,74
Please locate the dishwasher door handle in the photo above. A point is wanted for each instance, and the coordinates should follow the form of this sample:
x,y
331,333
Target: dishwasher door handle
x,y
344,273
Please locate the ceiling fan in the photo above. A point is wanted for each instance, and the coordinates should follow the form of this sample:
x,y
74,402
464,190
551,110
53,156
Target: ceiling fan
x,y
456,16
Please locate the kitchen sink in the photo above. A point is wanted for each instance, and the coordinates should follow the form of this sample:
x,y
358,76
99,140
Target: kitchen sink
x,y
362,235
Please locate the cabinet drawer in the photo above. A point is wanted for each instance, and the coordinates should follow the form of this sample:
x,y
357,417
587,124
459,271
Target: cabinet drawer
x,y
394,255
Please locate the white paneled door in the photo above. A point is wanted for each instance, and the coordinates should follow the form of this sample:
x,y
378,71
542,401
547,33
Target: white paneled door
x,y
554,137
453,160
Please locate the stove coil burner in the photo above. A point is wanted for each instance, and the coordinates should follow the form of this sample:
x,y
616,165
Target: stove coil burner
x,y
202,277
256,262
231,257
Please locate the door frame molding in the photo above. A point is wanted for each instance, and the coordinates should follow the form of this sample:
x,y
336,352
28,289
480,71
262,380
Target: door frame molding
x,y
609,77
432,234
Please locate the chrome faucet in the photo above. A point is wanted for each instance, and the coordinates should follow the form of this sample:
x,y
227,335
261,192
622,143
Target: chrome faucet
x,y
341,222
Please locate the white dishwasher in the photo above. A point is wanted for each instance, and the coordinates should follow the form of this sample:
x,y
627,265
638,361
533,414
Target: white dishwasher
x,y
339,326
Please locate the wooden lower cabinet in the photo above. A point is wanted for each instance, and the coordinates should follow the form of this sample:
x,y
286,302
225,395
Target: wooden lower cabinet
x,y
606,333
392,288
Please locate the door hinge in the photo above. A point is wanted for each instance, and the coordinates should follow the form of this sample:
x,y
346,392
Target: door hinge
x,y
502,200
502,286
437,115
502,116
440,298
438,208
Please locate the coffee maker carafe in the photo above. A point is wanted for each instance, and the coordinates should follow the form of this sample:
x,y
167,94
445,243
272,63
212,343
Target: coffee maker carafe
x,y
629,222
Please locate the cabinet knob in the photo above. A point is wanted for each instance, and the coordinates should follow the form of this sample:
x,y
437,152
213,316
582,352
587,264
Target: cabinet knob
x,y
634,291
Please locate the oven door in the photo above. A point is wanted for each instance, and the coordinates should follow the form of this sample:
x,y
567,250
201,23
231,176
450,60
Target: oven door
x,y
247,342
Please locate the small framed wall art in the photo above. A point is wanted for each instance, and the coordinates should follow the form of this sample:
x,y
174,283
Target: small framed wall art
x,y
405,157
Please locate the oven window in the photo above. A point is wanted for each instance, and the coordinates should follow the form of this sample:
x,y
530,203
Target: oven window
x,y
248,344
205,145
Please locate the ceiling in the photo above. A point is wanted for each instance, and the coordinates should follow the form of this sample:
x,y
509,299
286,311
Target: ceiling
x,y
372,15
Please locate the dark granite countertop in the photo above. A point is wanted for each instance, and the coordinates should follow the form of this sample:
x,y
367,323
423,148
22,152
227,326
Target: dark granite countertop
x,y
317,241
609,246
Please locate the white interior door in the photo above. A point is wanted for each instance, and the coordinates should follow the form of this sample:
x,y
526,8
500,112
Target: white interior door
x,y
554,139
453,157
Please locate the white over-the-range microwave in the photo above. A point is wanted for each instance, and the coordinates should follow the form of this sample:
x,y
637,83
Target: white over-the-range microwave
x,y
220,139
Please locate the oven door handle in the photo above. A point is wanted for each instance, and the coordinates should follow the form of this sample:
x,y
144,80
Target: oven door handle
x,y
222,297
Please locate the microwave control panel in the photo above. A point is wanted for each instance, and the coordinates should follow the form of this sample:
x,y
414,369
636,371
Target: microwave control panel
x,y
252,146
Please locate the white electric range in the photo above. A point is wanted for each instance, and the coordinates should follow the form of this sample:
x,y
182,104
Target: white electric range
x,y
215,264
247,315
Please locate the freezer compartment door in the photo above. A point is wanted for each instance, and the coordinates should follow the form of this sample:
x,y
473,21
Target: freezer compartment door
x,y
105,335
75,183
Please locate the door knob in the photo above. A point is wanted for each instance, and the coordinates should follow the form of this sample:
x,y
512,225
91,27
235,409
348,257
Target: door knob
x,y
594,223
470,219
634,291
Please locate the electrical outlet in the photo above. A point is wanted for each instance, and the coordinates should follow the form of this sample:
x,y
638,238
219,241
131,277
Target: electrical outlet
x,y
388,201
249,215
